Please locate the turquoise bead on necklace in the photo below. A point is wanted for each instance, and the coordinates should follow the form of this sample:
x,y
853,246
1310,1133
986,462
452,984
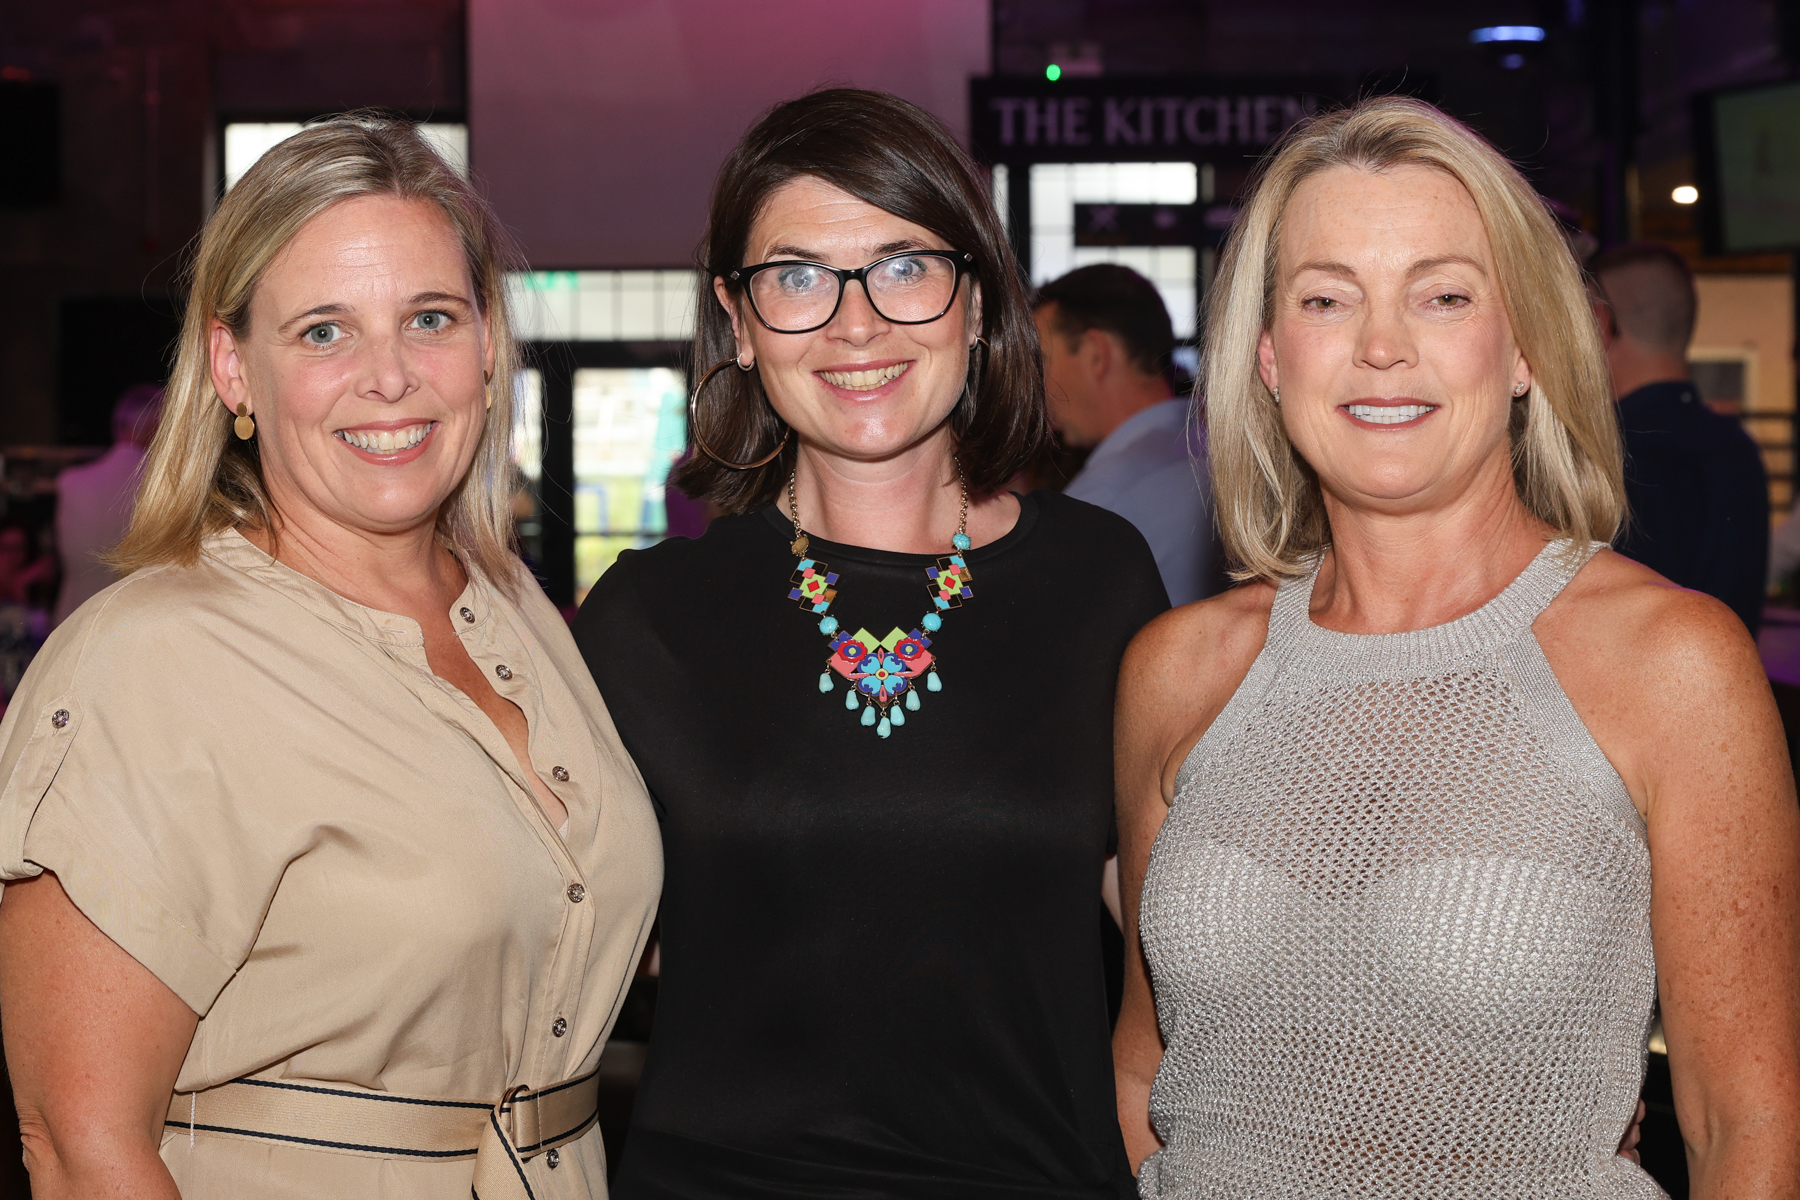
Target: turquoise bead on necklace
x,y
883,674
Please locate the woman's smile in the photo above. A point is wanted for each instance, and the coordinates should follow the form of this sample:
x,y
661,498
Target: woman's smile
x,y
389,443
1403,413
864,382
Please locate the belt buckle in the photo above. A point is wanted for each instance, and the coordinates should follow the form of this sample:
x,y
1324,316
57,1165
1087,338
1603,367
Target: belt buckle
x,y
520,1112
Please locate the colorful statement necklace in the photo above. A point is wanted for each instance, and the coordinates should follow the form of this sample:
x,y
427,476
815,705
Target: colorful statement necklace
x,y
883,675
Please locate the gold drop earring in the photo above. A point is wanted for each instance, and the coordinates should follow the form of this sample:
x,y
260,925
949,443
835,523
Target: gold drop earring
x,y
245,425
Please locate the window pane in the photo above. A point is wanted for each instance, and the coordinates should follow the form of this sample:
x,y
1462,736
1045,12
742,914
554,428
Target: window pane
x,y
602,306
528,423
630,427
528,464
247,141
1056,188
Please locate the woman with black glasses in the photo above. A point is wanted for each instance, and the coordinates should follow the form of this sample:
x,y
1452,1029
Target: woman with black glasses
x,y
873,704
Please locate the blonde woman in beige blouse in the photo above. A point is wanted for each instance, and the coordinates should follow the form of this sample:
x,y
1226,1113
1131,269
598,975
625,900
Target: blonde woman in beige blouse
x,y
326,869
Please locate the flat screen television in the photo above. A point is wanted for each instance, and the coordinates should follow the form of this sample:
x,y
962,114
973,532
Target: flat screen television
x,y
1747,159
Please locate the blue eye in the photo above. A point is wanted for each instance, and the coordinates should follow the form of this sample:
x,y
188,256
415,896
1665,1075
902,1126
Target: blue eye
x,y
432,320
322,335
799,278
904,271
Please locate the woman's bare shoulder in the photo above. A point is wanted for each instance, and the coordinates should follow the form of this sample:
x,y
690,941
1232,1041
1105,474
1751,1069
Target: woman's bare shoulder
x,y
1621,610
1212,631
1653,670
1184,667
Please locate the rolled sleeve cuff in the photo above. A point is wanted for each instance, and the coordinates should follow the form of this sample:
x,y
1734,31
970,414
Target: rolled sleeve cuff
x,y
130,914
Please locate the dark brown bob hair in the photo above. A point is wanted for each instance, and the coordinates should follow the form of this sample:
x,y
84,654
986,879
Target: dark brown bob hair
x,y
897,157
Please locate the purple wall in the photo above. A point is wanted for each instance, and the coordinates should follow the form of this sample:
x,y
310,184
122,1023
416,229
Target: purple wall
x,y
597,125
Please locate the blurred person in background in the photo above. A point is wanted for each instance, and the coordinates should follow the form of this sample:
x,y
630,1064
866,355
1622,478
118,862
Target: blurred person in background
x,y
1420,823
1698,494
24,622
325,870
873,703
1107,339
1784,549
93,500
24,573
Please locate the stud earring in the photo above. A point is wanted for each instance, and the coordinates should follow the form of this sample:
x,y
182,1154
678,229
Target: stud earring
x,y
1278,395
245,425
1519,389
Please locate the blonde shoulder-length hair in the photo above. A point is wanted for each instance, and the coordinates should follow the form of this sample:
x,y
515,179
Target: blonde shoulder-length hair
x,y
1565,441
199,478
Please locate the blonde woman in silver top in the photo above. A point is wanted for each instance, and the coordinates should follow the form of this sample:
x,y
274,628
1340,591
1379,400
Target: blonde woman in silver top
x,y
1439,803
326,870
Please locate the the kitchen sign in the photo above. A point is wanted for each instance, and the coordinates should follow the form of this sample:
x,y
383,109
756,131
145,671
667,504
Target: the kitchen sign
x,y
1118,119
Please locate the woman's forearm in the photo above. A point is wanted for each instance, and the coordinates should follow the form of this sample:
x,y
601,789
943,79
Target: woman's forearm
x,y
1137,1052
92,1164
1134,1116
94,1044
1759,1161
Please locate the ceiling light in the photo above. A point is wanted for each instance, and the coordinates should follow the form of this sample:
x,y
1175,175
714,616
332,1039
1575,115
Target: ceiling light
x,y
1687,193
1507,33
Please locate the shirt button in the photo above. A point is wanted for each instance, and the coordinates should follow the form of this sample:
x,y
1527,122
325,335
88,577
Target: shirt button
x,y
559,1027
576,893
467,615
551,1158
503,671
560,774
60,717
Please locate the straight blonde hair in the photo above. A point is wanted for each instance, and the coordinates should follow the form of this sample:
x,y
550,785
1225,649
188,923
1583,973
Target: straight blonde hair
x,y
199,479
1566,455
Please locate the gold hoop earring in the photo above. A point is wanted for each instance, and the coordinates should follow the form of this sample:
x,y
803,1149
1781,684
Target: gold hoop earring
x,y
245,425
694,422
487,389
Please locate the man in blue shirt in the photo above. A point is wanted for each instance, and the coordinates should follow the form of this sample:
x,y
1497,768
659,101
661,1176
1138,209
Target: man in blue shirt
x,y
1107,339
1699,495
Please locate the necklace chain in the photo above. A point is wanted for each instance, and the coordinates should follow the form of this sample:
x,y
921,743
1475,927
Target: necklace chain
x,y
801,541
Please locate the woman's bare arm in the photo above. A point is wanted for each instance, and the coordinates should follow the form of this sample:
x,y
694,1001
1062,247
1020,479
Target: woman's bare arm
x,y
1725,866
1177,676
94,1042
1672,689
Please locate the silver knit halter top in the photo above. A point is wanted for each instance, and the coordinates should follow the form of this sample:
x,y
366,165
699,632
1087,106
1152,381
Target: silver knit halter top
x,y
1398,924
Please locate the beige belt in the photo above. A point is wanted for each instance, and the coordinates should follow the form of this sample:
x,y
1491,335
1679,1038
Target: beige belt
x,y
499,1137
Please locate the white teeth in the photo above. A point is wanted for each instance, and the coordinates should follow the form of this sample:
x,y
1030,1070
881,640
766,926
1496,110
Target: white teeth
x,y
862,381
386,441
1389,414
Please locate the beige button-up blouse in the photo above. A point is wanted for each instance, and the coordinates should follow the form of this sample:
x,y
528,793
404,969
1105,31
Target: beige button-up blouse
x,y
260,791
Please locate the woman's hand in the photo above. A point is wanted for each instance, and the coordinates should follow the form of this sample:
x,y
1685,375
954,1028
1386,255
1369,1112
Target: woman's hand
x,y
1162,712
94,1042
1671,687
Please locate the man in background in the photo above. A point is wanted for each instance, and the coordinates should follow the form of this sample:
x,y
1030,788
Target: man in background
x,y
1107,340
1699,495
93,501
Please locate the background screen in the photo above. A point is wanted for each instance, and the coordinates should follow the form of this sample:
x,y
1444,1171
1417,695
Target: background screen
x,y
1756,139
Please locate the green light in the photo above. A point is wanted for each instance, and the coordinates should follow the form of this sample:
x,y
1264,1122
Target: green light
x,y
1053,72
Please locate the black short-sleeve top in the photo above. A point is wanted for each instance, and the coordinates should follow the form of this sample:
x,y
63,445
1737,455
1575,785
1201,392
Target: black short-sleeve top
x,y
881,970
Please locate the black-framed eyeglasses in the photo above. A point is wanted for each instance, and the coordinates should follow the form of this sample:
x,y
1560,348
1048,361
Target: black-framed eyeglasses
x,y
914,287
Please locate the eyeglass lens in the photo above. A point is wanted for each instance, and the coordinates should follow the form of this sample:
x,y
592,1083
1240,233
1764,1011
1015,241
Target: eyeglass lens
x,y
905,288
